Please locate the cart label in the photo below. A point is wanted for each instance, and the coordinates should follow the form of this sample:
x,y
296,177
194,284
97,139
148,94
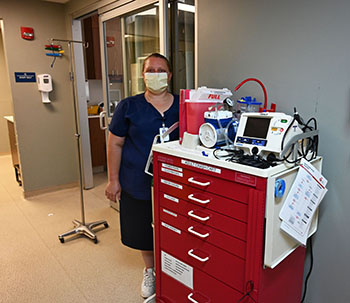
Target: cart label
x,y
176,200
201,166
245,179
169,213
169,171
177,269
172,167
178,231
171,183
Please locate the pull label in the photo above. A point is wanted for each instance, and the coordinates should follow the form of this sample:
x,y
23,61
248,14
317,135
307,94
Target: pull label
x,y
171,183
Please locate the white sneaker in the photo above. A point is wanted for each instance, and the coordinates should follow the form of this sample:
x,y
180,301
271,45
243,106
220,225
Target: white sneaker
x,y
148,283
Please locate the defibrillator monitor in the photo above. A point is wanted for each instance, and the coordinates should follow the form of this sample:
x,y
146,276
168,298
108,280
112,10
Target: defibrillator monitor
x,y
265,131
256,127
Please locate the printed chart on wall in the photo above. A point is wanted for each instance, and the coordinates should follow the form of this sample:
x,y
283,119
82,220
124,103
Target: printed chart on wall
x,y
302,201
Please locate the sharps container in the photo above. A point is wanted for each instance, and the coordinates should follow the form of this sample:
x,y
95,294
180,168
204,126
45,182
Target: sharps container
x,y
199,102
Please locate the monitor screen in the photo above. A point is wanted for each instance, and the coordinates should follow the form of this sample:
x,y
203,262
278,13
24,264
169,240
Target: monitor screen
x,y
257,127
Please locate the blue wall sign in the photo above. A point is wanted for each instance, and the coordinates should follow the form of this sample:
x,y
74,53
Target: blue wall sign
x,y
25,77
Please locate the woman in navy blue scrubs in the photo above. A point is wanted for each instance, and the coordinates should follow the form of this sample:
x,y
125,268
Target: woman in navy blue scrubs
x,y
135,123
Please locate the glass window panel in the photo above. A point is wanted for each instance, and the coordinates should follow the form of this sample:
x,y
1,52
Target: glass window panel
x,y
141,39
129,39
114,63
181,41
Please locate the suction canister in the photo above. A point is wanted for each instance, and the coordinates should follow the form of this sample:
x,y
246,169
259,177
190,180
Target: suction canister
x,y
248,105
219,128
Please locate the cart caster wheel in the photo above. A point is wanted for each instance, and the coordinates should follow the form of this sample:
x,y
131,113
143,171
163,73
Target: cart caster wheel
x,y
95,241
106,225
61,239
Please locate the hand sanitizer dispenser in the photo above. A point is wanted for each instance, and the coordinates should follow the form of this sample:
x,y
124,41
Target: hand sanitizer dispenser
x,y
45,86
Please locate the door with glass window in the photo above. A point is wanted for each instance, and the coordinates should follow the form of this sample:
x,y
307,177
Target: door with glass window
x,y
134,31
128,39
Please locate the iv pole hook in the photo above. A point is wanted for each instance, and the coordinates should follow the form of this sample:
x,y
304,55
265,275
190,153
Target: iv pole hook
x,y
85,44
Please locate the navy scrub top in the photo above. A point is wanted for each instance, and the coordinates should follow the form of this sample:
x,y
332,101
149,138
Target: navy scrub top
x,y
139,121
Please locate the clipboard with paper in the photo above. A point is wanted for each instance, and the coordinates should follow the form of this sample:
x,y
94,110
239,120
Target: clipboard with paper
x,y
302,202
157,138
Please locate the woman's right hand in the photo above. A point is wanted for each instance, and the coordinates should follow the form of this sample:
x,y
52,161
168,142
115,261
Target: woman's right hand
x,y
113,191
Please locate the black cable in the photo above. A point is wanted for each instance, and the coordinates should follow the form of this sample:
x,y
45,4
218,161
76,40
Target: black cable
x,y
249,284
310,270
229,151
285,133
311,145
215,151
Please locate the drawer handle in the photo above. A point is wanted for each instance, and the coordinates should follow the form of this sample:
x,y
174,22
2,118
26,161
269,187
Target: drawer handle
x,y
191,214
190,253
191,197
192,231
192,180
189,297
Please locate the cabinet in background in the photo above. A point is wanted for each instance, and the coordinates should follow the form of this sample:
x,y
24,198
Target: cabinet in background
x,y
92,53
97,143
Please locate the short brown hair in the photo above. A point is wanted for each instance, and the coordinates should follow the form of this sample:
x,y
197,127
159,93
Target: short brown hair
x,y
157,55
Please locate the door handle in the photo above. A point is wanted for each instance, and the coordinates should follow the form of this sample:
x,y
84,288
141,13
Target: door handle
x,y
192,231
103,123
191,254
191,197
192,180
191,214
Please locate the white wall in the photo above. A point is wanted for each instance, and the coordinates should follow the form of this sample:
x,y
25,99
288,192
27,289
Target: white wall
x,y
300,51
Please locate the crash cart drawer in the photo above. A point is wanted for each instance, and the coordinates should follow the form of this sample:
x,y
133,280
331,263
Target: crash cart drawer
x,y
204,233
199,254
194,286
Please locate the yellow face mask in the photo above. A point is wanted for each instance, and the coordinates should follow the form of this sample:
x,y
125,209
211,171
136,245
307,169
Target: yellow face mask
x,y
156,82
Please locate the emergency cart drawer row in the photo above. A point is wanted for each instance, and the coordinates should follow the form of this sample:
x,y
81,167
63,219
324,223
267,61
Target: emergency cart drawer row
x,y
203,256
203,232
205,216
205,290
219,181
228,207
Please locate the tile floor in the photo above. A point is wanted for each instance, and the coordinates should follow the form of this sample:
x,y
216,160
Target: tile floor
x,y
36,267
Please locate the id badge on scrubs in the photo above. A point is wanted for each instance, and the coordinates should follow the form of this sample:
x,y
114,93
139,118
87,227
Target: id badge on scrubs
x,y
162,130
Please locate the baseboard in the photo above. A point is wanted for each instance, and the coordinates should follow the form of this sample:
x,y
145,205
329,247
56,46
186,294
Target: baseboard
x,y
5,154
32,193
98,169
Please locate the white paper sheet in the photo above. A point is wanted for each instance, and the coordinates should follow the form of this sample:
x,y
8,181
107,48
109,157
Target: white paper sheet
x,y
302,201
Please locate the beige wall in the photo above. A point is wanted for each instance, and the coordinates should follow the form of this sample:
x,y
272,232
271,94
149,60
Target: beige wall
x,y
5,101
46,141
45,132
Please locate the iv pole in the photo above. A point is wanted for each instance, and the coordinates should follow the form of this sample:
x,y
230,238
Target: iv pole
x,y
80,227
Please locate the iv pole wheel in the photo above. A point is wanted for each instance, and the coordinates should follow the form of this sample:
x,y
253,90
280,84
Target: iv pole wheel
x,y
106,225
61,239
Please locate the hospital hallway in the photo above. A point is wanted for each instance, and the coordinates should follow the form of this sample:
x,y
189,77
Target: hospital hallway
x,y
36,267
